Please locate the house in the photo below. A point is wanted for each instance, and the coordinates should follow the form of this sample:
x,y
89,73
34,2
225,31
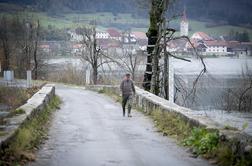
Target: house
x,y
201,36
139,35
77,48
114,34
216,47
178,46
208,47
74,37
44,47
240,49
102,35
141,40
129,39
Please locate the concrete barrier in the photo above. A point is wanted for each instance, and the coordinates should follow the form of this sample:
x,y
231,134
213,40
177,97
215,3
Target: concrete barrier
x,y
149,102
35,104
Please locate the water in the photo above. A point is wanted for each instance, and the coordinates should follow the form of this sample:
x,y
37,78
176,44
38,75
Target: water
x,y
222,73
233,119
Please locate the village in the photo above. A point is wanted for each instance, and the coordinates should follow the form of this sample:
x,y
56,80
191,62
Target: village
x,y
126,82
112,40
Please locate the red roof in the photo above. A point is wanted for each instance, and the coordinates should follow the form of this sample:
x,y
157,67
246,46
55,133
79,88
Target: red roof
x,y
216,43
140,35
44,46
203,35
113,33
77,45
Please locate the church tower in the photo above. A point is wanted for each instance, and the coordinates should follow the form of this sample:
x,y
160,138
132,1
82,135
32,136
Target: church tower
x,y
184,25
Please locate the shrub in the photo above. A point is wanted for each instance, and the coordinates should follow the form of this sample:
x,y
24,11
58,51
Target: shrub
x,y
202,141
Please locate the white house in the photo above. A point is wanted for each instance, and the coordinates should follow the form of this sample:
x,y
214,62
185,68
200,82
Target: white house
x,y
75,37
102,35
209,47
216,47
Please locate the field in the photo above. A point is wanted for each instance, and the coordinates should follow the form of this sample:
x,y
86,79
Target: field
x,y
119,21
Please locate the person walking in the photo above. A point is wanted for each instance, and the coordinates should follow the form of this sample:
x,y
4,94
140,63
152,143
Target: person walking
x,y
127,88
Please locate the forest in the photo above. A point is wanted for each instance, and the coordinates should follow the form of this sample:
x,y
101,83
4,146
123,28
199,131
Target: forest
x,y
231,12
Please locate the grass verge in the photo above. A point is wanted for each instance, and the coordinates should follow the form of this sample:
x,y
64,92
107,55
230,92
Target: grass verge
x,y
21,148
200,141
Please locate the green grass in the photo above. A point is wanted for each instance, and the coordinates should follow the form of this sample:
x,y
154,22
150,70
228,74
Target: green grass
x,y
2,133
30,135
17,112
199,140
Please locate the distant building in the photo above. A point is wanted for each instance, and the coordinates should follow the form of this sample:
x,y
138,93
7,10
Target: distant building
x,y
201,36
177,46
77,49
216,47
240,49
102,35
74,36
129,39
44,47
114,34
206,46
184,25
142,40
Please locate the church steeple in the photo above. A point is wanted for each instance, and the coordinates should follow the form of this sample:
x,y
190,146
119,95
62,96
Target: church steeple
x,y
184,18
184,25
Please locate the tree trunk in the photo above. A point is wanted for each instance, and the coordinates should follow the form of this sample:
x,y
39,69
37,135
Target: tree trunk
x,y
152,40
166,61
6,50
35,52
95,58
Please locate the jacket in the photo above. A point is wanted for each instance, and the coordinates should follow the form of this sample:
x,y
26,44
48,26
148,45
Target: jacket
x,y
127,87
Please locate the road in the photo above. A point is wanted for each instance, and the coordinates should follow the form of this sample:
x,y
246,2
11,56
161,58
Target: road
x,y
89,130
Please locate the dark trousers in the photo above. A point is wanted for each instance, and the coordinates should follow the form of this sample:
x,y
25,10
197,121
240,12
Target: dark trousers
x,y
126,99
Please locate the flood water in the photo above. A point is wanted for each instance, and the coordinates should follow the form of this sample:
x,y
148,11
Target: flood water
x,y
222,74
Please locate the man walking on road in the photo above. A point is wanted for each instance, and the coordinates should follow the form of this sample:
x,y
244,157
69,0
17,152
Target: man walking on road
x,y
128,90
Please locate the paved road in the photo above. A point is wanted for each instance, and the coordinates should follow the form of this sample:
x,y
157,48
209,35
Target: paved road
x,y
89,130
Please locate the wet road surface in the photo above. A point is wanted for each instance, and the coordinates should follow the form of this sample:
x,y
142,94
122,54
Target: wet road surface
x,y
89,130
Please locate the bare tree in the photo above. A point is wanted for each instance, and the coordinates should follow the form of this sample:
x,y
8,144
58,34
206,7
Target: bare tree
x,y
19,41
5,43
35,52
91,52
130,62
239,98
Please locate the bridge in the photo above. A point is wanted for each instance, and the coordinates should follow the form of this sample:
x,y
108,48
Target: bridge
x,y
89,129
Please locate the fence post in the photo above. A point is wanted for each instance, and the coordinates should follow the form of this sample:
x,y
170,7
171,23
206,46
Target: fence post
x,y
29,79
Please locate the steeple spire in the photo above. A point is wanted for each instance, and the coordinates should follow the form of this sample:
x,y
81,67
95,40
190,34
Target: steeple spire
x,y
184,18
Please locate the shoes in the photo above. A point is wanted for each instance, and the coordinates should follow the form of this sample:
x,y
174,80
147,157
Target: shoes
x,y
129,115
